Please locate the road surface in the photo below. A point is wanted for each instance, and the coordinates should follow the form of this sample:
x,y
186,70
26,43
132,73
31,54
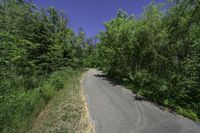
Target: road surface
x,y
113,109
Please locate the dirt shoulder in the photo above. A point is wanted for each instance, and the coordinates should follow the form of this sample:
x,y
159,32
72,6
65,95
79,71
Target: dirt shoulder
x,y
66,112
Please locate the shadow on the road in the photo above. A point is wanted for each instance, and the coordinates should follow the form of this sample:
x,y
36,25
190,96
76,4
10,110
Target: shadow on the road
x,y
136,97
104,77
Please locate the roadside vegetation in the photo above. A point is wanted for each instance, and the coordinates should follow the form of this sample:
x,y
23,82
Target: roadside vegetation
x,y
67,111
39,52
157,55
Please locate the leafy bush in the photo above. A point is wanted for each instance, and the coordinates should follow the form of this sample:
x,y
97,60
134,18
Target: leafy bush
x,y
35,43
156,55
150,86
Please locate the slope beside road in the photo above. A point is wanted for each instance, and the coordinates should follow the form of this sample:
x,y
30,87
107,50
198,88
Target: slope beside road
x,y
114,109
66,112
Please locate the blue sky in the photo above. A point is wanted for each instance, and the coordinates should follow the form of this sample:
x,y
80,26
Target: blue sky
x,y
90,14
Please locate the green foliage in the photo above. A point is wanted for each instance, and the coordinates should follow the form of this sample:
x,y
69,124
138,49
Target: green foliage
x,y
34,43
156,55
18,109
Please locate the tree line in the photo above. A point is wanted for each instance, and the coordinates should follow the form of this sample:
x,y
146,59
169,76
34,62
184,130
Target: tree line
x,y
156,55
34,43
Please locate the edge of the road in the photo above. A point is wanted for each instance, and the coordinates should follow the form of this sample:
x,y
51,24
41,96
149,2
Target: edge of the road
x,y
91,127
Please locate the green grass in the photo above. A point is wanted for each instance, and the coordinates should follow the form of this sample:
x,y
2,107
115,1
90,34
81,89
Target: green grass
x,y
187,113
67,111
20,108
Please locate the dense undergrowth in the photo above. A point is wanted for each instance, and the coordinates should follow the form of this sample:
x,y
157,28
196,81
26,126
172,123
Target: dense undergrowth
x,y
156,55
35,44
19,109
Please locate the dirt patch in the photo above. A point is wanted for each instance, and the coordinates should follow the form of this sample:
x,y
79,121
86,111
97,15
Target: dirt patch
x,y
67,112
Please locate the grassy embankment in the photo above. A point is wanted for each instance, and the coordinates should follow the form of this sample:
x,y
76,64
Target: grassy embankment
x,y
66,112
62,102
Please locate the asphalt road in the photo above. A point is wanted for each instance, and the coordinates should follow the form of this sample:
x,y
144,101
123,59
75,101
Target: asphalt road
x,y
114,109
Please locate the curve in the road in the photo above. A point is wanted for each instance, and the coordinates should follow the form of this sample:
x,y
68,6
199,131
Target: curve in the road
x,y
113,109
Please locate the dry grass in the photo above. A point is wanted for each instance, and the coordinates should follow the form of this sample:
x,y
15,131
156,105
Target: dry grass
x,y
66,112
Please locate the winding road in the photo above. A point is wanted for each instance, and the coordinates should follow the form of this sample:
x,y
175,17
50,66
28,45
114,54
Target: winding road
x,y
114,109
